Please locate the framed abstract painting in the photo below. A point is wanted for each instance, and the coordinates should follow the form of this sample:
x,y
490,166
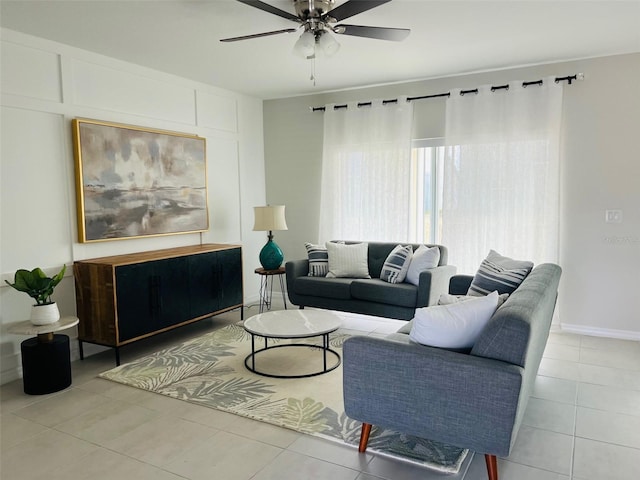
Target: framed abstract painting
x,y
136,182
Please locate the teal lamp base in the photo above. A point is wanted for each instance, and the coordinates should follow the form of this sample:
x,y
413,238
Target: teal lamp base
x,y
271,256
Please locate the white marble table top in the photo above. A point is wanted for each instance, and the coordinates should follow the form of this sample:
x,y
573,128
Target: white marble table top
x,y
293,323
28,328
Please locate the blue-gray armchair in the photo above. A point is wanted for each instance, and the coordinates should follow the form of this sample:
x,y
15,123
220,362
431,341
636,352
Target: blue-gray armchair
x,y
473,400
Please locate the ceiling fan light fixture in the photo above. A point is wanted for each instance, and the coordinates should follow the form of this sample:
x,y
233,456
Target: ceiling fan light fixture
x,y
305,47
328,44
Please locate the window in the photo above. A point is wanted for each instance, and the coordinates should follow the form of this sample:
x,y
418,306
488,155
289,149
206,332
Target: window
x,y
426,190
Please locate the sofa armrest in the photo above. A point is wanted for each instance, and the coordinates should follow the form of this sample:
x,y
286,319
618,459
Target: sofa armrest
x,y
293,270
459,284
433,283
449,397
297,268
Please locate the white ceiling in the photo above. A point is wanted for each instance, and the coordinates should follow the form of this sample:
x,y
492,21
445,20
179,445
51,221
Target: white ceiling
x,y
447,38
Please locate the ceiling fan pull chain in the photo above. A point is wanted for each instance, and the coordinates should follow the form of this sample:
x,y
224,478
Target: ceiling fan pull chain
x,y
313,70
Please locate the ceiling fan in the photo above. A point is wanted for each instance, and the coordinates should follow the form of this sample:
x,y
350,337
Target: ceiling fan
x,y
317,17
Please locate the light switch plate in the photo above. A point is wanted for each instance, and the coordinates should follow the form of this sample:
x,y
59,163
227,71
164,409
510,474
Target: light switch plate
x,y
613,216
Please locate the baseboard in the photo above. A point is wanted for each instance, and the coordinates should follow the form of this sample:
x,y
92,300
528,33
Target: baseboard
x,y
11,368
600,332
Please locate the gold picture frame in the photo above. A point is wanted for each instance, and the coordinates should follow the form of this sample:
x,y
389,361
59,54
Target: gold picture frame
x,y
134,182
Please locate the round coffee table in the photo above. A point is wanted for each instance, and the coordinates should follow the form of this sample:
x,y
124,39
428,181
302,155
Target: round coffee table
x,y
292,324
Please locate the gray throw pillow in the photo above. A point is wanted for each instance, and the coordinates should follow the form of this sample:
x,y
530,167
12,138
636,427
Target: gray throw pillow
x,y
396,265
498,273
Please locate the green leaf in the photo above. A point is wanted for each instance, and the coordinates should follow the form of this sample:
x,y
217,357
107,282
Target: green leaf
x,y
36,284
58,278
19,281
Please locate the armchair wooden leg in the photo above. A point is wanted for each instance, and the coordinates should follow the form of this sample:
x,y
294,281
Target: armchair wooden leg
x,y
364,437
492,466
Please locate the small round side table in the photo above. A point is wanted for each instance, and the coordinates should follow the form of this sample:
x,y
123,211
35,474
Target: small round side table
x,y
266,286
46,360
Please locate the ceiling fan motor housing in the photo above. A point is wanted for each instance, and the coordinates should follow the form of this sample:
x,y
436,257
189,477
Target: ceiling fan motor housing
x,y
307,9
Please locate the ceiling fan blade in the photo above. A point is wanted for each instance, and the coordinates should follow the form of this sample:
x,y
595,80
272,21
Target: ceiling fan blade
x,y
258,35
381,33
270,9
351,8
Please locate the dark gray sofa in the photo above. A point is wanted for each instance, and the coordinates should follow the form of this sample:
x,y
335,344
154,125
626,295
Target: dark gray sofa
x,y
369,296
472,400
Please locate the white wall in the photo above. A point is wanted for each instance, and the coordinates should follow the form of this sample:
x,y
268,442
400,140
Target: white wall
x,y
44,86
600,171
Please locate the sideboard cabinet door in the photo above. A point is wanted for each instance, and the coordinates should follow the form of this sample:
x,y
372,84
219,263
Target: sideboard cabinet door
x,y
170,291
204,272
230,277
134,309
215,281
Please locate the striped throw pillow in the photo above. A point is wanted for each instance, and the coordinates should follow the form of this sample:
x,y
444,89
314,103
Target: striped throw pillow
x,y
502,274
318,260
396,265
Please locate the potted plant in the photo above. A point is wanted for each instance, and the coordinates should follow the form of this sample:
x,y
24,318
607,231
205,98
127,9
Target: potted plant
x,y
37,285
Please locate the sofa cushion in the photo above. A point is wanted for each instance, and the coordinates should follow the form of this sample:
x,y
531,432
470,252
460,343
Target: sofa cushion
x,y
338,288
396,265
499,273
348,260
423,258
379,291
453,326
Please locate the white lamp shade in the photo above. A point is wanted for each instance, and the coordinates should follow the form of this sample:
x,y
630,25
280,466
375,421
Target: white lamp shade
x,y
306,45
328,44
269,218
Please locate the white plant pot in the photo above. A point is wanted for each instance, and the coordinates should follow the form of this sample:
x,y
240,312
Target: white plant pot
x,y
45,314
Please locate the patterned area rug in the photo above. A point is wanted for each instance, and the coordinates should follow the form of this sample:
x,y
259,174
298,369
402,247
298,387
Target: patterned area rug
x,y
210,371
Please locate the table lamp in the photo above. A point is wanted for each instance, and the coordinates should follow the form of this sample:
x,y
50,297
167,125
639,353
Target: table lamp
x,y
268,219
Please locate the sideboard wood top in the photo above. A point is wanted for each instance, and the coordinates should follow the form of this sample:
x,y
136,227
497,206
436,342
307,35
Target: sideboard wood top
x,y
152,255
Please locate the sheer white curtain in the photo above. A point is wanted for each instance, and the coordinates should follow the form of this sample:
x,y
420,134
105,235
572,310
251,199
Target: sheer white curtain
x,y
501,174
366,164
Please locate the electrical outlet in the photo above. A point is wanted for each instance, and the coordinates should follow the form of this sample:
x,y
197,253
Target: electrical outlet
x,y
613,216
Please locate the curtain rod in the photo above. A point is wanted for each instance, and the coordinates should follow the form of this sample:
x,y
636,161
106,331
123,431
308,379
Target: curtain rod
x,y
568,78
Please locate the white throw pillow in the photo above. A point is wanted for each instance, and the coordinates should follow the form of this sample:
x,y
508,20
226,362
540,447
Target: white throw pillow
x,y
499,273
453,326
423,258
396,265
348,260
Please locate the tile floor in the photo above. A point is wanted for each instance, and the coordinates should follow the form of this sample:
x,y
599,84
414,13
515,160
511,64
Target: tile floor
x,y
582,423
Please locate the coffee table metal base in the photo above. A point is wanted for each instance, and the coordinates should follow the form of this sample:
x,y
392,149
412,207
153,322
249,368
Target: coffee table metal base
x,y
250,360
